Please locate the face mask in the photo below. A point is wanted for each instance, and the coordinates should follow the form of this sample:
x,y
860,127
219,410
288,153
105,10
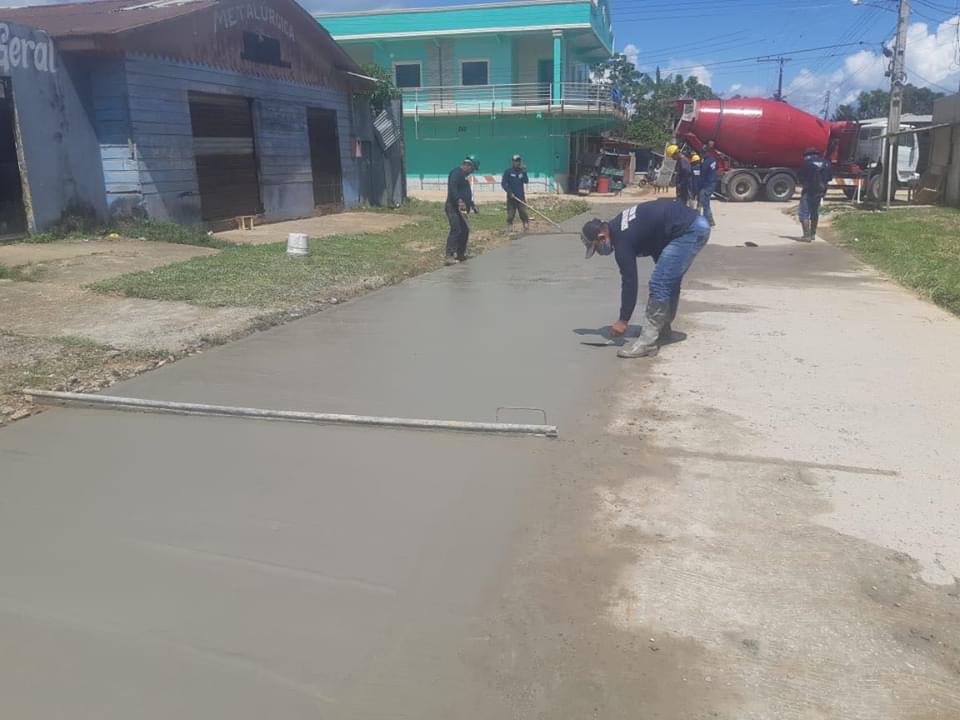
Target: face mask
x,y
606,248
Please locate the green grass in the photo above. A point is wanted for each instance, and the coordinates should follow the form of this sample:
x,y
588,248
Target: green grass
x,y
264,276
11,273
918,248
146,229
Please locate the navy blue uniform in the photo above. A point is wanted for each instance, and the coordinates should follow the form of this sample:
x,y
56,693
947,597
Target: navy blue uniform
x,y
644,231
815,175
684,179
708,184
513,183
458,190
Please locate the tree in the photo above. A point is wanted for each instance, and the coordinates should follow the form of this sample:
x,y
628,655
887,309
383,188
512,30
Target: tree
x,y
650,98
876,103
383,91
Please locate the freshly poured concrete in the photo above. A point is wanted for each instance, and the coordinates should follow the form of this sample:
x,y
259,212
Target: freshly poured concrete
x,y
159,567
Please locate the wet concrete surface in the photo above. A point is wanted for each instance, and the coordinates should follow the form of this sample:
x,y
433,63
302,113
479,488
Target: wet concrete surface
x,y
159,566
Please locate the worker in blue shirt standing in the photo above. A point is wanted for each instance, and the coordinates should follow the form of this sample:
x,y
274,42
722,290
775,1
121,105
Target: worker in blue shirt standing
x,y
513,183
707,185
684,174
459,203
669,232
815,176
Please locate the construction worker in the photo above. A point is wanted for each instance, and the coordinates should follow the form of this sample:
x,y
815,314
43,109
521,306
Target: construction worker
x,y
513,182
459,203
707,186
684,174
695,182
815,175
669,232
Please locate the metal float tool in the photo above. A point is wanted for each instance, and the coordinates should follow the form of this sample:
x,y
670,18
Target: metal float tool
x,y
110,402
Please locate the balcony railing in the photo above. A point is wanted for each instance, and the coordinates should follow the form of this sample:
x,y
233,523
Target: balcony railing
x,y
571,97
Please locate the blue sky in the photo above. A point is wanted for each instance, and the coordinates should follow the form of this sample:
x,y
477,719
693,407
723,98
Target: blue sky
x,y
707,37
719,41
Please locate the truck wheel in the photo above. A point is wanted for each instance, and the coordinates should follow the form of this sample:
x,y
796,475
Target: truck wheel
x,y
743,187
780,187
876,192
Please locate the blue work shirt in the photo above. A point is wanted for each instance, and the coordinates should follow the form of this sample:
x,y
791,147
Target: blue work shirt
x,y
513,182
708,174
815,175
458,188
644,231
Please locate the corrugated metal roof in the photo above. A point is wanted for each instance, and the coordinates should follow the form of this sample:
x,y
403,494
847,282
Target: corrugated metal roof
x,y
100,17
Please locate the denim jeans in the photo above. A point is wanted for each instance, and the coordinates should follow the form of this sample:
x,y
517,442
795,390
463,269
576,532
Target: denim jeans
x,y
459,231
675,260
704,198
810,208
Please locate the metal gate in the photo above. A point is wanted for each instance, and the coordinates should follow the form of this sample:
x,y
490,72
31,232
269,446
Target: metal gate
x,y
325,157
225,156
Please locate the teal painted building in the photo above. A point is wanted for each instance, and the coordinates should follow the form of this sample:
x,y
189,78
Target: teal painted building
x,y
494,80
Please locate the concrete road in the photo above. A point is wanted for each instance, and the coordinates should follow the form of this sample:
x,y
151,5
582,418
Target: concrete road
x,y
759,523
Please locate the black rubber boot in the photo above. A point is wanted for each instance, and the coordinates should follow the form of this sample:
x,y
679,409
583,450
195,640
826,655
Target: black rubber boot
x,y
648,343
807,236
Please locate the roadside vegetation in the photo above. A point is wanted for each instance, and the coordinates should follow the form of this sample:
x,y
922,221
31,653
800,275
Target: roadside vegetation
x,y
337,267
918,248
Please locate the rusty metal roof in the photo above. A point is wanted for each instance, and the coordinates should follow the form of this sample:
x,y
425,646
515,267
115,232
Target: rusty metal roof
x,y
201,31
101,16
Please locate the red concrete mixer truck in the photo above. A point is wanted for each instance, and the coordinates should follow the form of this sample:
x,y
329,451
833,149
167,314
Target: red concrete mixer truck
x,y
761,144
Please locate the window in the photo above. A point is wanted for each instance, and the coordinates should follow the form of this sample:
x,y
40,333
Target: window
x,y
474,72
262,49
407,75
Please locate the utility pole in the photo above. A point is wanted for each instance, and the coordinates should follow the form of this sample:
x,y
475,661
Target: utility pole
x,y
779,60
826,106
898,78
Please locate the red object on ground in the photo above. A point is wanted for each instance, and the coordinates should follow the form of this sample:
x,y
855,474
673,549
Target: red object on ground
x,y
603,184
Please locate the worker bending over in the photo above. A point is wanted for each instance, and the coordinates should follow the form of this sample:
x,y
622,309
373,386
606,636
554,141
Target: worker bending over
x,y
669,232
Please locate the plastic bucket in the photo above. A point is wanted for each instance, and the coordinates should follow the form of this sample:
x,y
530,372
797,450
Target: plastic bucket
x,y
603,184
297,245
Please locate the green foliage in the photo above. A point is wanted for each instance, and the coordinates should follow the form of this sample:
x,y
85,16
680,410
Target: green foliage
x,y
384,91
650,98
876,103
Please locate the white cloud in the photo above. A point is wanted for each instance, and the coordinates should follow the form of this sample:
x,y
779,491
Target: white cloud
x,y
632,52
690,68
931,59
744,90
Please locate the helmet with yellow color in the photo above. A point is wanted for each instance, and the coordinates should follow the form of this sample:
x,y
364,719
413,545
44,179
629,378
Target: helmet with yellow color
x,y
694,158
672,150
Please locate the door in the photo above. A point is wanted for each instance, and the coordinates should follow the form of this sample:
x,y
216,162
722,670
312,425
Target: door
x,y
907,158
13,217
225,156
325,158
544,79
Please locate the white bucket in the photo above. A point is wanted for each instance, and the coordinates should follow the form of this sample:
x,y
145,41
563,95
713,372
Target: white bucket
x,y
297,245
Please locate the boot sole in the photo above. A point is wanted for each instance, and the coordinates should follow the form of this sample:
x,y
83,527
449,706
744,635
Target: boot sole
x,y
631,356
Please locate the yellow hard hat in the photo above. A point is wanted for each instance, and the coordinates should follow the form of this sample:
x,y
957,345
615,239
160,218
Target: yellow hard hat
x,y
672,150
695,158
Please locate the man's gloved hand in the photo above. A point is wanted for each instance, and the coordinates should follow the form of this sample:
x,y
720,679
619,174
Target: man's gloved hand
x,y
523,168
461,206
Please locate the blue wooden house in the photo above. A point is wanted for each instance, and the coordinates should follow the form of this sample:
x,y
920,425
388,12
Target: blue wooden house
x,y
195,111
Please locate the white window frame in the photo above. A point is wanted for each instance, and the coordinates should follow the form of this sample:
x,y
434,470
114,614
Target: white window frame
x,y
419,65
476,60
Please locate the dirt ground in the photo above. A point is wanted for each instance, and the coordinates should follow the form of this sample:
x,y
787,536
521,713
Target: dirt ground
x,y
318,227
